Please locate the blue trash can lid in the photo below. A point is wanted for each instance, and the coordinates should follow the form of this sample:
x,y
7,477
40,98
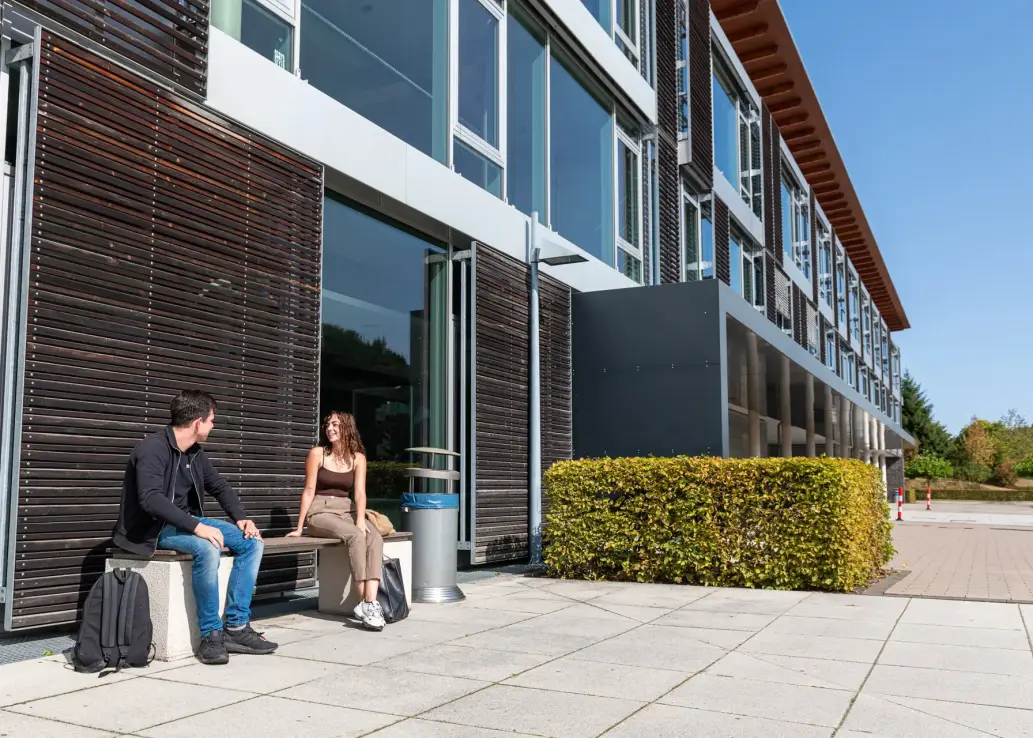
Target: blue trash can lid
x,y
423,501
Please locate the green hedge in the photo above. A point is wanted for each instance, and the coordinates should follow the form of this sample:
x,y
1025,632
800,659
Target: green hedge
x,y
980,495
773,523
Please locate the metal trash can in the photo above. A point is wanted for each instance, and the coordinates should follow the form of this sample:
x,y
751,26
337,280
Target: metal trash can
x,y
433,520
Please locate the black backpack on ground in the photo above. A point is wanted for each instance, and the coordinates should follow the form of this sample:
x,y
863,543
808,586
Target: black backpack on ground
x,y
116,624
391,594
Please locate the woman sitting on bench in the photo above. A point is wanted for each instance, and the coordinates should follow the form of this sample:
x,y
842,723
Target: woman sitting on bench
x,y
332,471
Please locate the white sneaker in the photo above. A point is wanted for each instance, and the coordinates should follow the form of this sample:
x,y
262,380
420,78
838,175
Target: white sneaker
x,y
373,616
357,612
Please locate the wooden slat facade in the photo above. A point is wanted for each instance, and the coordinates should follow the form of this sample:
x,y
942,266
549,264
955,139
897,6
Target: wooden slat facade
x,y
701,100
168,38
502,402
171,249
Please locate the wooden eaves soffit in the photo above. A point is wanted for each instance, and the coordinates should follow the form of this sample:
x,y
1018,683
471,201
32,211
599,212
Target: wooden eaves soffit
x,y
762,41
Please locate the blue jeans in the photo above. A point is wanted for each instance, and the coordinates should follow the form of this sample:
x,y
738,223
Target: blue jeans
x,y
247,555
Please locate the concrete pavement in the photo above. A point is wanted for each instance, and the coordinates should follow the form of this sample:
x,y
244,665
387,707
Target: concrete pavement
x,y
578,659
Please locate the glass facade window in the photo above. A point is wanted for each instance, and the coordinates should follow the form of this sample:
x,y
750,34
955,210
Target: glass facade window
x,y
866,323
690,240
841,289
385,321
726,126
830,349
855,308
392,73
735,263
479,71
477,168
630,266
629,195
706,245
602,11
526,104
824,264
258,28
581,171
788,222
796,226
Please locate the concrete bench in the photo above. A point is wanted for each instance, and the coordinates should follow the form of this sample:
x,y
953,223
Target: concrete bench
x,y
173,611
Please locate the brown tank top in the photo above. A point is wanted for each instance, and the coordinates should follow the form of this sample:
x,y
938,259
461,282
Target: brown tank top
x,y
334,484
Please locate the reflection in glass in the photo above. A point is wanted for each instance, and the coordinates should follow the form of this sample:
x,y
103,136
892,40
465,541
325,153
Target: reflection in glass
x,y
600,10
726,143
627,193
787,223
629,266
627,19
257,28
479,70
735,259
582,165
707,241
384,322
691,231
525,133
473,166
392,73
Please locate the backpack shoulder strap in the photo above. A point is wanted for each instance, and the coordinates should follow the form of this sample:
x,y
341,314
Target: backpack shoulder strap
x,y
125,616
109,612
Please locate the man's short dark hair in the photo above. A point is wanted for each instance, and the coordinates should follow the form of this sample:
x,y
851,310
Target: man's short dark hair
x,y
189,405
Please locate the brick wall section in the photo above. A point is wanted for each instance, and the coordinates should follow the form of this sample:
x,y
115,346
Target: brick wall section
x,y
701,101
669,190
721,258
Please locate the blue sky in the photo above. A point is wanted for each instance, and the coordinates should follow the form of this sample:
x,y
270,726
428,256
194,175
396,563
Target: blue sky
x,y
930,104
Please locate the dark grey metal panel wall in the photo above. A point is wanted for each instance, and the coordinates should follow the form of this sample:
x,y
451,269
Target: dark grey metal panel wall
x,y
166,37
171,249
648,371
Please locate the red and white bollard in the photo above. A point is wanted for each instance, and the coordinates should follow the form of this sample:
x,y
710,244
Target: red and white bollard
x,y
900,503
928,498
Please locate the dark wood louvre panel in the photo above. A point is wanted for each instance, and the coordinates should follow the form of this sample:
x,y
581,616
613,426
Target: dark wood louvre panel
x,y
799,317
769,278
823,327
171,249
721,234
770,190
668,185
556,379
503,397
701,99
502,430
166,37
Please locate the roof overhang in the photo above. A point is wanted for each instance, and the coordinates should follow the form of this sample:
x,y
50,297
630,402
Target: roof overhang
x,y
760,36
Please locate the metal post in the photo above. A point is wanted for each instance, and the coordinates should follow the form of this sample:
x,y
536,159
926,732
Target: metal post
x,y
753,392
534,516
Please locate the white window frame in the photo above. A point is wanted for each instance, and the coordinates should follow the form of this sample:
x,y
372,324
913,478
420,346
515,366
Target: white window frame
x,y
283,11
687,266
799,247
826,291
866,325
814,336
830,351
854,300
681,71
746,113
620,136
496,155
619,33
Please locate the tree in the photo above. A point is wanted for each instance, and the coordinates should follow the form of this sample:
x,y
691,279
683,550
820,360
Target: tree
x,y
917,418
1012,420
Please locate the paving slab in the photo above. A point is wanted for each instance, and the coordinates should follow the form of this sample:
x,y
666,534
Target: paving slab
x,y
483,664
667,721
348,646
870,716
13,725
525,638
719,620
994,690
749,601
875,630
602,680
536,711
32,680
260,674
655,646
950,635
972,659
131,705
783,702
383,690
274,716
420,728
652,595
814,646
994,615
804,672
849,607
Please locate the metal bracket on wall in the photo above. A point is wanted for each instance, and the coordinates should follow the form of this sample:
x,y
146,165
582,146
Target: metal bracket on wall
x,y
462,255
23,52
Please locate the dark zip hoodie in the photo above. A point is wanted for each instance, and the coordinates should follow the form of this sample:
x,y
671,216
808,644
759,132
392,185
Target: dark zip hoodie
x,y
149,487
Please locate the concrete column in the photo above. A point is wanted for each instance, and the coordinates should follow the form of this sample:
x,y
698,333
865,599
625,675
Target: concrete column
x,y
844,427
876,454
785,407
753,392
830,429
882,453
808,408
866,436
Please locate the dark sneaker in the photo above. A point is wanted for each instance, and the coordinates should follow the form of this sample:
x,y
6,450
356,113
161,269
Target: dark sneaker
x,y
213,649
246,640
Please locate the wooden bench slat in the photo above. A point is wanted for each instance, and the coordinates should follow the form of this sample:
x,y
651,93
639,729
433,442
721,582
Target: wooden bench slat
x,y
304,544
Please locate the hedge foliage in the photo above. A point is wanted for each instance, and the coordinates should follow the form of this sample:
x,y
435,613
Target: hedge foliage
x,y
774,523
979,495
1025,468
929,466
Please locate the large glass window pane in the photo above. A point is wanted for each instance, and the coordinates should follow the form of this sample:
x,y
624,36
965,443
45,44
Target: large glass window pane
x,y
582,165
479,70
525,113
735,259
600,10
476,168
392,72
257,28
726,123
627,19
384,348
706,242
787,223
627,193
628,265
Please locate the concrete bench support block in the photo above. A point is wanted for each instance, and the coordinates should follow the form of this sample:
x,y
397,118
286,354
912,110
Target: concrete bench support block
x,y
337,595
173,611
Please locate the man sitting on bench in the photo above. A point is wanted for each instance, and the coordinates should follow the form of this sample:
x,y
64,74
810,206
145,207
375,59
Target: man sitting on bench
x,y
163,507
